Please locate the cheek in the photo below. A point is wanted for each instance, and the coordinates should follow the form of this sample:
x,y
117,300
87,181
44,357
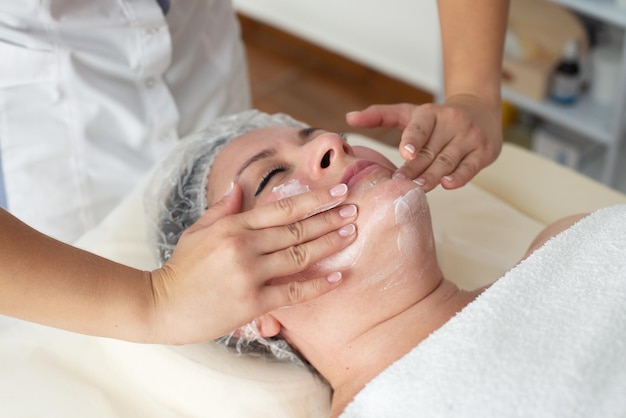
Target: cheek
x,y
413,217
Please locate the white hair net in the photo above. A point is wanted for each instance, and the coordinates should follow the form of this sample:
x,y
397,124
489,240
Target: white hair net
x,y
176,198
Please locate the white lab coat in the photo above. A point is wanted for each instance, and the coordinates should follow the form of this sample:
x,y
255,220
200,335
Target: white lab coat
x,y
94,92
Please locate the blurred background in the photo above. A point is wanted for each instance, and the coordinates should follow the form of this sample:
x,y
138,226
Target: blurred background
x,y
564,72
290,74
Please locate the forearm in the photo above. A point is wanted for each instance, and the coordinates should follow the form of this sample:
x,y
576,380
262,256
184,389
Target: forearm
x,y
46,281
472,34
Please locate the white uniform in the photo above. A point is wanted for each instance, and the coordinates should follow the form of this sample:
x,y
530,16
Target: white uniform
x,y
94,92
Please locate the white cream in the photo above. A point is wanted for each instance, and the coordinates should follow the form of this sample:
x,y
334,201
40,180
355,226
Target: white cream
x,y
413,214
401,215
291,188
409,210
351,254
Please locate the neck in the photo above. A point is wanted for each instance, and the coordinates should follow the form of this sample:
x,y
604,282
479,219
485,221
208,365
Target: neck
x,y
367,355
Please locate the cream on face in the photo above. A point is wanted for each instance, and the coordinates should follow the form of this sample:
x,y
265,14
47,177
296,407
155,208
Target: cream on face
x,y
397,208
410,209
411,214
291,188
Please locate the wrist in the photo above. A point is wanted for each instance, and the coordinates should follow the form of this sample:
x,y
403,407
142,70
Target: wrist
x,y
136,316
491,103
485,84
490,95
157,323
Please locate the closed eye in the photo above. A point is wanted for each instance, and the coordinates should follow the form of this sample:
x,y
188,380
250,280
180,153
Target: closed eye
x,y
266,179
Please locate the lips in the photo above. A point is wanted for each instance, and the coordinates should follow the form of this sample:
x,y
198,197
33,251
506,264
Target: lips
x,y
357,171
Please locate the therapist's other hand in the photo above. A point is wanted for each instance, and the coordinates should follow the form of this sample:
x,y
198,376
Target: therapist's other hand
x,y
442,144
216,279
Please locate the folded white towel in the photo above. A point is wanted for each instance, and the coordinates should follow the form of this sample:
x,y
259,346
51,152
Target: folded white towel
x,y
547,340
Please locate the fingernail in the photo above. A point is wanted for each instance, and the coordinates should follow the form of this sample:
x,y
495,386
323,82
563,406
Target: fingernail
x,y
334,277
398,175
354,112
230,188
420,182
410,148
347,211
448,178
347,230
339,190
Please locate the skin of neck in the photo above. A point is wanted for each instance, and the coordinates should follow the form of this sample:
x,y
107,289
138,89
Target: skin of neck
x,y
350,365
395,337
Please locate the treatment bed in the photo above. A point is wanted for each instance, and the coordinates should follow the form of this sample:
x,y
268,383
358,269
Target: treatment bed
x,y
481,231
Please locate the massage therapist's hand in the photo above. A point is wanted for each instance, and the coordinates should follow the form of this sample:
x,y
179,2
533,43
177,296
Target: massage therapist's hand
x,y
216,279
442,144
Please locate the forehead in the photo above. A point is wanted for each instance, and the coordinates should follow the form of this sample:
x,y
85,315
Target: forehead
x,y
256,139
248,144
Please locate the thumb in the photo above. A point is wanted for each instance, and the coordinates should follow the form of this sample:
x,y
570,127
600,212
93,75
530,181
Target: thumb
x,y
227,205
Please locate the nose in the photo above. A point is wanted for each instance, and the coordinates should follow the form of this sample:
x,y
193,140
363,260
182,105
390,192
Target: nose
x,y
328,148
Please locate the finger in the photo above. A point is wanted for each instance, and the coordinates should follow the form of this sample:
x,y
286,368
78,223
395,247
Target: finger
x,y
390,116
293,293
444,163
227,205
459,161
418,131
295,208
278,238
416,169
441,136
297,258
465,171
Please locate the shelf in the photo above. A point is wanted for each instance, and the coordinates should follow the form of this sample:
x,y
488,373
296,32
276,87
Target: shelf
x,y
600,123
586,117
604,10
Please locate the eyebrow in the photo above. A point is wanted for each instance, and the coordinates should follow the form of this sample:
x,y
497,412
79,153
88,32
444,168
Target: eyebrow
x,y
266,153
306,133
303,134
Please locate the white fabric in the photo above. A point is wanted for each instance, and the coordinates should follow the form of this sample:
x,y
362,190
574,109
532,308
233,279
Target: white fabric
x,y
93,92
546,340
46,372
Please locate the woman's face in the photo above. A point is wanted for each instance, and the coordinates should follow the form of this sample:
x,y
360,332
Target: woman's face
x,y
394,240
275,162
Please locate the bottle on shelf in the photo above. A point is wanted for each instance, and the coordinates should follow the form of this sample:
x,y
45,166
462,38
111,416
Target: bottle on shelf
x,y
566,80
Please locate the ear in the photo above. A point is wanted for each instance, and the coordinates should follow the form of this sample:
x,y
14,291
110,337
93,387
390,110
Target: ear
x,y
268,325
